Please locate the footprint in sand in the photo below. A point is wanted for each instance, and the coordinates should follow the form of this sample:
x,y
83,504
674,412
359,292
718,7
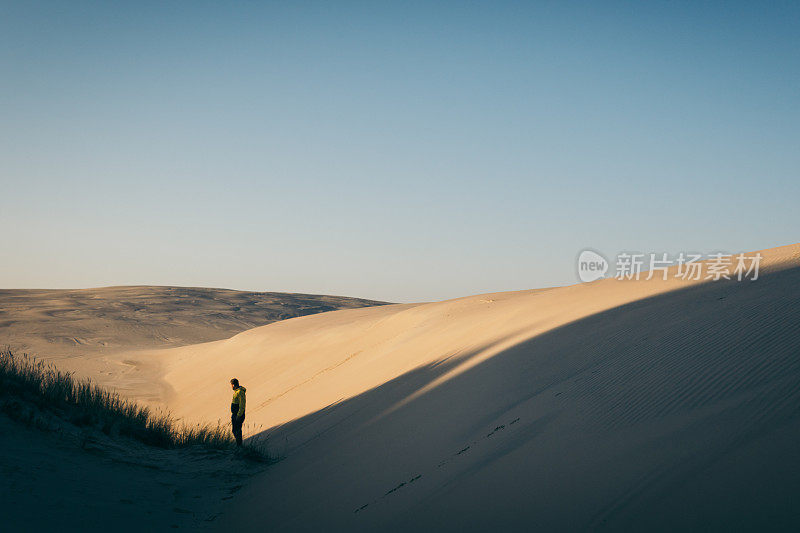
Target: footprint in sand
x,y
398,487
495,430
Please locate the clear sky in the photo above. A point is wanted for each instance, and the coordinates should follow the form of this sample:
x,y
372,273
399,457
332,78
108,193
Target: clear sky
x,y
402,151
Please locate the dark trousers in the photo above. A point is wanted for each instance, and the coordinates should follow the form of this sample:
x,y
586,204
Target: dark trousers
x,y
236,423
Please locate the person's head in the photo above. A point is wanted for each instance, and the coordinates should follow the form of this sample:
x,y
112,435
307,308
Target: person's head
x,y
234,383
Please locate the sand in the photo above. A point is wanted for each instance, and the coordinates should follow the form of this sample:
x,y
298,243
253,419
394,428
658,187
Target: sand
x,y
613,405
80,480
621,404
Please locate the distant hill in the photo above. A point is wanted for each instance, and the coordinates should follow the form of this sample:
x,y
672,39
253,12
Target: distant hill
x,y
57,322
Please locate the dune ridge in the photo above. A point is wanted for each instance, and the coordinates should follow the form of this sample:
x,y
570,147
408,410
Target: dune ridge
x,y
381,343
659,404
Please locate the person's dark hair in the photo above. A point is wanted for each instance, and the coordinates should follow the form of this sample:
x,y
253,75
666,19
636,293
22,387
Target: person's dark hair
x,y
235,382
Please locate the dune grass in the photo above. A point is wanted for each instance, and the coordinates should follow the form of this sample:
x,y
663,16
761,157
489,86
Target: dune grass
x,y
26,383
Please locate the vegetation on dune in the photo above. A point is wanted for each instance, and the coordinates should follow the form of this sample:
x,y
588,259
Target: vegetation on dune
x,y
30,388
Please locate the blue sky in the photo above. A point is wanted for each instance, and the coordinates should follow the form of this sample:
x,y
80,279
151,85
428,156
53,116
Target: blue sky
x,y
403,151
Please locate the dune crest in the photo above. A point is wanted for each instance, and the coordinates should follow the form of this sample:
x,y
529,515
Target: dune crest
x,y
307,363
650,404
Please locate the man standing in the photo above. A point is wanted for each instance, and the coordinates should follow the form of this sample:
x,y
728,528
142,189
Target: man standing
x,y
237,410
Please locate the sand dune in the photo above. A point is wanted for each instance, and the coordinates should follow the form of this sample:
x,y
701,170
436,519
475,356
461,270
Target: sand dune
x,y
53,322
618,404
615,405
